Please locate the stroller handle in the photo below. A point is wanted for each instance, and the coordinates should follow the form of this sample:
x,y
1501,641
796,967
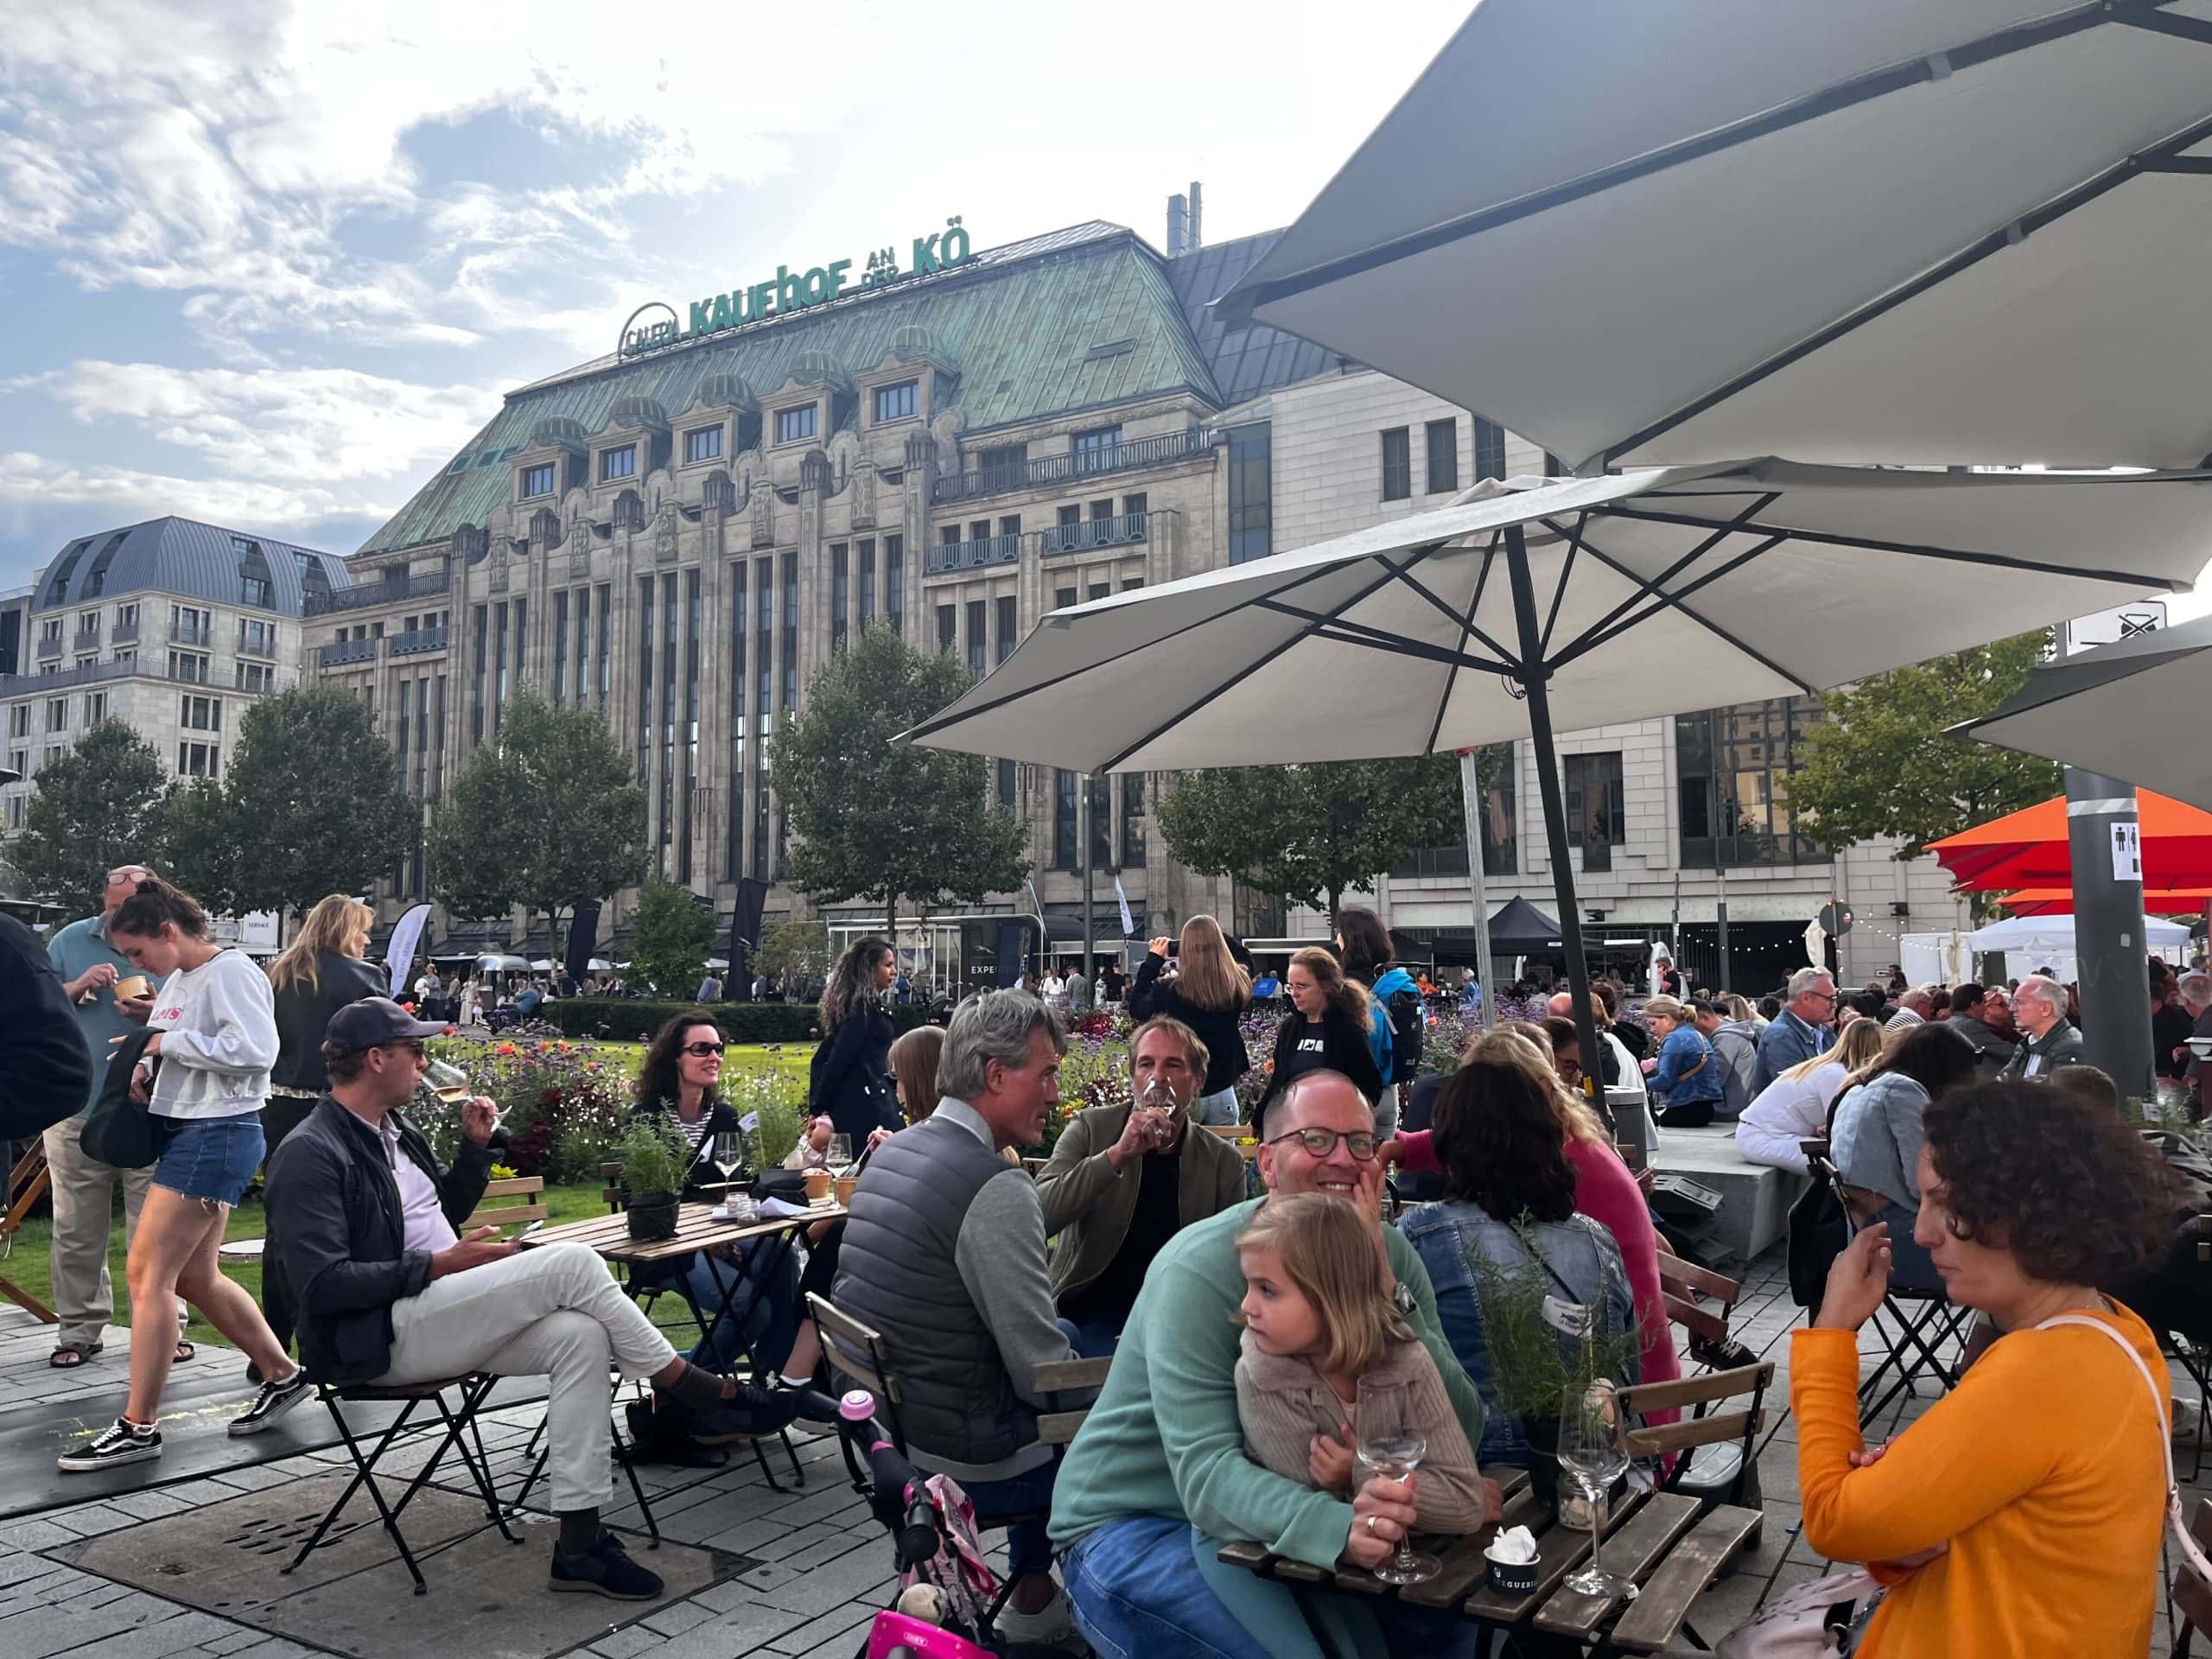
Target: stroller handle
x,y
898,1484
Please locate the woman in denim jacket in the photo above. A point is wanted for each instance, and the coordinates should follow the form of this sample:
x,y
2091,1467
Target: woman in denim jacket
x,y
1509,1208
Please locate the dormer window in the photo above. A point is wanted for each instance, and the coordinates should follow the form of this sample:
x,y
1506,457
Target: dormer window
x,y
621,462
794,424
702,443
538,481
897,403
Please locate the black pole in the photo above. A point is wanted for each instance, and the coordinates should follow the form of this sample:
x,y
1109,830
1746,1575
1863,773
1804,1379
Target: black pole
x,y
2109,947
1535,678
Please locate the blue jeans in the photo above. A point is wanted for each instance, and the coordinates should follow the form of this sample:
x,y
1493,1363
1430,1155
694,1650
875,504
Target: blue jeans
x,y
1027,1548
1094,1339
212,1158
746,1316
1134,1590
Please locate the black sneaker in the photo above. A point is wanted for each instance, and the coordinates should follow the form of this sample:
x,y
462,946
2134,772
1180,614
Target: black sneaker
x,y
272,1402
604,1569
122,1442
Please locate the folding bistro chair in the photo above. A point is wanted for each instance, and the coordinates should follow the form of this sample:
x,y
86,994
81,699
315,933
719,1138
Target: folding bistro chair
x,y
27,1182
2188,1597
1921,1322
1707,1425
460,1433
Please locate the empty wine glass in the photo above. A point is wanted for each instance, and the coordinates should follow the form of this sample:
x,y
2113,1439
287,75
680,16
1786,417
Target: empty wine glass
x,y
730,1156
1593,1454
1391,1444
840,1153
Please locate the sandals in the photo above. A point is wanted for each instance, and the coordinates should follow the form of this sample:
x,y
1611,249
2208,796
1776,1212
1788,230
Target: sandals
x,y
184,1350
68,1356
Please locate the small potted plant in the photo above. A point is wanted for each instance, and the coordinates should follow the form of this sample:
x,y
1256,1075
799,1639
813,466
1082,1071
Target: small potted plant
x,y
1537,1360
655,1160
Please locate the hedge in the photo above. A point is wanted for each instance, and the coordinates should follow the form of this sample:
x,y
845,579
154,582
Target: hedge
x,y
622,1019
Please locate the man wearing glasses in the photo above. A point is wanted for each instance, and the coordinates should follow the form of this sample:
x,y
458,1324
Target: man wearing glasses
x,y
1158,1477
364,1215
1800,1030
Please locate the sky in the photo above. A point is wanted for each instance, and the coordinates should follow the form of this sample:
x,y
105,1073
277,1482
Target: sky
x,y
271,265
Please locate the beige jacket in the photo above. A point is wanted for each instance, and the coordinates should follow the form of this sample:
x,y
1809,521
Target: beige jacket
x,y
1283,1403
1089,1203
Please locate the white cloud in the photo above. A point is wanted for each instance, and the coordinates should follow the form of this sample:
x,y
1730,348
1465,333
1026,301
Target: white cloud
x,y
328,428
118,495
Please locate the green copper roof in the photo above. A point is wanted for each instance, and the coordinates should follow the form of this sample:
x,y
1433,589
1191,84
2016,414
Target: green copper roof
x,y
1078,318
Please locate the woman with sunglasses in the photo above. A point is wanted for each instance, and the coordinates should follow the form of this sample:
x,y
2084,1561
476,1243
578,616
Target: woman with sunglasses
x,y
681,1080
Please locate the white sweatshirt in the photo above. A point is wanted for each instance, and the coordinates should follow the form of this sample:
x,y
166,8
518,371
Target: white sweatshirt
x,y
1788,1111
220,1025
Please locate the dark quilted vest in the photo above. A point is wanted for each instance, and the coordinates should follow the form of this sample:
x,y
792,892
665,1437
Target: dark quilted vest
x,y
896,1273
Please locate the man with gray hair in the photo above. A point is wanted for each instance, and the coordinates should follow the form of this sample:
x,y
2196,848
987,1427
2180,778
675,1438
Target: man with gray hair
x,y
1800,1030
944,1255
2050,1039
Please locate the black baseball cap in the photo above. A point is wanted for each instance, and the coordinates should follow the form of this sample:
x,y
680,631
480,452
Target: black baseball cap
x,y
374,1021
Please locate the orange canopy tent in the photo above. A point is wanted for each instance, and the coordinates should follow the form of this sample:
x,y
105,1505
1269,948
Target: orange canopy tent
x,y
2028,849
2059,901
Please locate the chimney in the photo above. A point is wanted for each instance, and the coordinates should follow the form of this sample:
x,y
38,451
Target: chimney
x,y
1178,228
1195,240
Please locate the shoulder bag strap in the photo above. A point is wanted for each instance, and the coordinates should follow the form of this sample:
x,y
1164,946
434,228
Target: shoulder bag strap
x,y
2190,1552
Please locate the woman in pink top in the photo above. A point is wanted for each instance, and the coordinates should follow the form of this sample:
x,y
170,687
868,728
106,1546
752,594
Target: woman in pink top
x,y
1605,1189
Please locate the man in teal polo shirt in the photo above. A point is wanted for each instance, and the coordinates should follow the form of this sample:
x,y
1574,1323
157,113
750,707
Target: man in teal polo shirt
x,y
83,1186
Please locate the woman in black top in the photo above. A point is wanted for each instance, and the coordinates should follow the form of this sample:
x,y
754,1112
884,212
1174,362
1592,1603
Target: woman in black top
x,y
849,1080
1207,993
1329,1030
319,973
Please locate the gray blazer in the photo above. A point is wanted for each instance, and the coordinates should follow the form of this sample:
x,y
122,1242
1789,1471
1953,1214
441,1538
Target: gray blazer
x,y
1878,1134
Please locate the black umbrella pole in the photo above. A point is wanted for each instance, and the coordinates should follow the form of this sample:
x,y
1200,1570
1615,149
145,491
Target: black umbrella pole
x,y
1535,679
2109,947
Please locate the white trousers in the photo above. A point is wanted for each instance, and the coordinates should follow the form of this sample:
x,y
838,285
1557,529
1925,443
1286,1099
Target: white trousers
x,y
552,1312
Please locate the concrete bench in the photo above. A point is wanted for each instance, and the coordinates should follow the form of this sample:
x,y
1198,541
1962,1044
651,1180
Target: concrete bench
x,y
1755,1199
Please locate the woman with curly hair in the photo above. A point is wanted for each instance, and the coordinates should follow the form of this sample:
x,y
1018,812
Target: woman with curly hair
x,y
2022,1514
849,1079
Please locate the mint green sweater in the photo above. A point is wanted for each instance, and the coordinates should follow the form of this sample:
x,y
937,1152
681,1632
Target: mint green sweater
x,y
1164,1437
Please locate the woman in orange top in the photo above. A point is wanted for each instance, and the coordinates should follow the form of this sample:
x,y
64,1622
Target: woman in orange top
x,y
2022,1514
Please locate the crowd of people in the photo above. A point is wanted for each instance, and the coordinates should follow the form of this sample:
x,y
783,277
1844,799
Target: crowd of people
x,y
1242,1331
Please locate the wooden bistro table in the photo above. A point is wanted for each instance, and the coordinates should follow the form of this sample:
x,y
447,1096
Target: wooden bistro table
x,y
1658,1540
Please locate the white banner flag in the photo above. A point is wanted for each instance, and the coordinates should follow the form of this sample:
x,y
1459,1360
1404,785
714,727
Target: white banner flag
x,y
404,939
1129,927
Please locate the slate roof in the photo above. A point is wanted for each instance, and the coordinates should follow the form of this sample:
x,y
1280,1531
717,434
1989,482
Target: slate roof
x,y
1021,322
1246,362
177,555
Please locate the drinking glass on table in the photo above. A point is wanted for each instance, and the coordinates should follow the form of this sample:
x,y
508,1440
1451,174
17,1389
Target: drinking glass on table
x,y
1391,1444
840,1153
1593,1454
729,1157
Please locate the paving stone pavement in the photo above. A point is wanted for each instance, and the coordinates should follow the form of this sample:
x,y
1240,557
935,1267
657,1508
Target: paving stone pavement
x,y
825,1564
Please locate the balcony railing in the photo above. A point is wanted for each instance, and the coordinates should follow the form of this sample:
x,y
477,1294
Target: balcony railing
x,y
191,633
1082,464
265,646
348,651
376,593
68,679
948,556
125,633
1115,531
49,648
418,639
85,640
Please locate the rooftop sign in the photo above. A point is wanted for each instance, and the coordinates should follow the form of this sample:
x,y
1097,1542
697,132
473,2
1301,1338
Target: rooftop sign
x,y
794,291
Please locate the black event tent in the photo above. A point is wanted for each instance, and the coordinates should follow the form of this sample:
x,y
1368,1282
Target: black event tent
x,y
1520,929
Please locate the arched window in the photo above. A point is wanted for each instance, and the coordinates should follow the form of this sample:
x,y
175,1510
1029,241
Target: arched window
x,y
57,588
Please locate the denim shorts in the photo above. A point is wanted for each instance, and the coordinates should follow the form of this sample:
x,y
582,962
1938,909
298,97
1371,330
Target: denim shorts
x,y
212,1158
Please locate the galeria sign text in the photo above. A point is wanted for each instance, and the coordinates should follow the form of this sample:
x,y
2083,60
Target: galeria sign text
x,y
795,290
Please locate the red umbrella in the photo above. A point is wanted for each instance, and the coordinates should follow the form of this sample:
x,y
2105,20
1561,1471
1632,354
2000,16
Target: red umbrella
x,y
2059,901
2028,849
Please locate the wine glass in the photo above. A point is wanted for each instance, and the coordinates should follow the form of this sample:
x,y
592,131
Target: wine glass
x,y
840,1153
446,1081
1391,1445
1593,1454
729,1155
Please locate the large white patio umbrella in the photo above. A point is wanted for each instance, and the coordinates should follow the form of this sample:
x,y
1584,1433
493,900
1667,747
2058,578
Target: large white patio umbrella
x,y
2124,710
1551,603
1972,231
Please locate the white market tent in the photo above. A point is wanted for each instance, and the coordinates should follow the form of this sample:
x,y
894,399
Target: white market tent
x,y
2033,942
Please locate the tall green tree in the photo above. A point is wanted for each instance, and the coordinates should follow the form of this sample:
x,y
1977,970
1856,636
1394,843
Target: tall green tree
x,y
672,936
95,806
546,817
1309,833
201,848
874,819
792,952
1880,765
316,801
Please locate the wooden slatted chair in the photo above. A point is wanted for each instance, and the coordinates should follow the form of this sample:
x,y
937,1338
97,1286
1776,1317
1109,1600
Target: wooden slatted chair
x,y
1684,1286
530,1189
1062,1377
1709,1424
2191,1595
27,1184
